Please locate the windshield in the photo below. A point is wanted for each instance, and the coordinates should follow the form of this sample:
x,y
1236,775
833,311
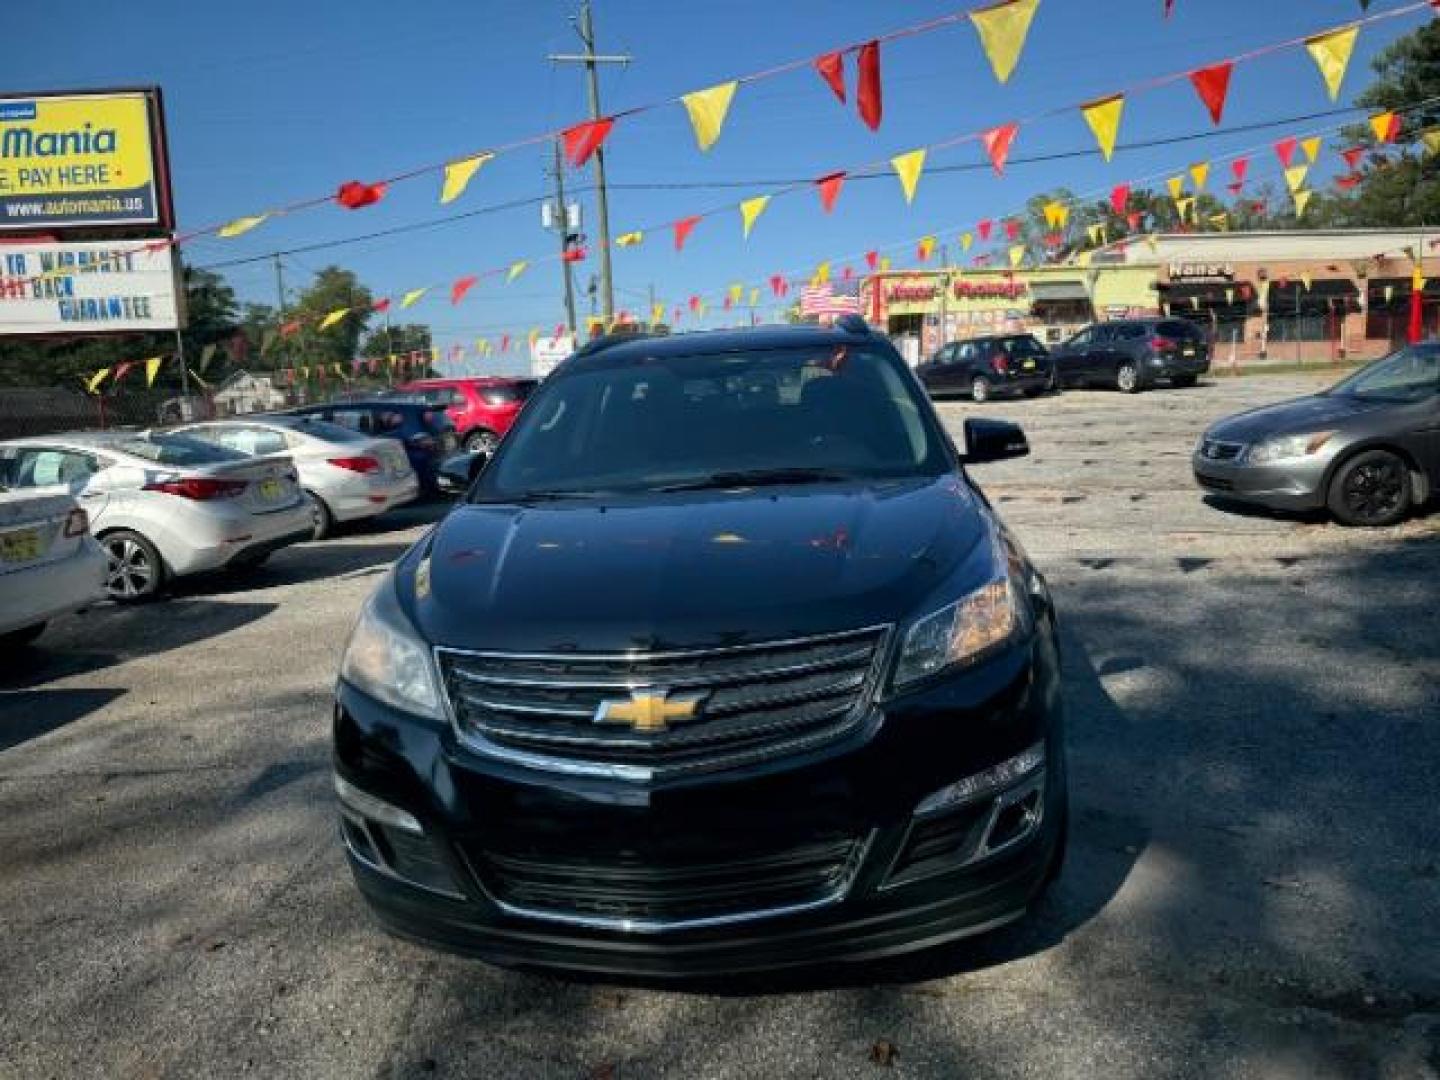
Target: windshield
x,y
1020,347
320,429
175,450
1408,375
792,415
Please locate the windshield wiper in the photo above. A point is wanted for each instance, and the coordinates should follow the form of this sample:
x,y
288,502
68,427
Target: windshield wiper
x,y
539,496
757,478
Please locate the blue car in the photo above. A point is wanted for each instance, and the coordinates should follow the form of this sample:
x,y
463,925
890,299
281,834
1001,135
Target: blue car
x,y
426,432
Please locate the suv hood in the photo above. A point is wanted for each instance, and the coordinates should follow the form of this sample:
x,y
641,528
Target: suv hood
x,y
691,570
1292,418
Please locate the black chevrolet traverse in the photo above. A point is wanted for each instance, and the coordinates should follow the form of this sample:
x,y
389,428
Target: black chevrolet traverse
x,y
722,663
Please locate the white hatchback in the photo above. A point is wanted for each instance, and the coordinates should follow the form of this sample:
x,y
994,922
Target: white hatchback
x,y
164,505
50,565
346,476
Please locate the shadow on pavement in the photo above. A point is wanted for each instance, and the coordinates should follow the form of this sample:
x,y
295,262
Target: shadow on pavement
x,y
28,714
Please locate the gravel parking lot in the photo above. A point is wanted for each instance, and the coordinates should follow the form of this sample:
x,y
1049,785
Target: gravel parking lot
x,y
1253,886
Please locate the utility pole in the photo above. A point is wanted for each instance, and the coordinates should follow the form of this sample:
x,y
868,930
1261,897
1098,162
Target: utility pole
x,y
585,26
562,226
944,296
280,300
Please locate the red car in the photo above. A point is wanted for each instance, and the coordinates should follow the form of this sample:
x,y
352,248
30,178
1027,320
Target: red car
x,y
482,409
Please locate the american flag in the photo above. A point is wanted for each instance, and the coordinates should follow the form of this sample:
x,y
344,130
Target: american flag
x,y
830,301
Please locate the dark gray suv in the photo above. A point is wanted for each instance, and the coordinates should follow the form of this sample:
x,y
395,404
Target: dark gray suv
x,y
1133,354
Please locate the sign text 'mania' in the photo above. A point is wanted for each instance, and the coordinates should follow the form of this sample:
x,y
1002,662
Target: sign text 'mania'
x,y
17,142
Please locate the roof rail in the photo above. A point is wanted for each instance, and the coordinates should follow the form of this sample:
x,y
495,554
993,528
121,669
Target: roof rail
x,y
600,344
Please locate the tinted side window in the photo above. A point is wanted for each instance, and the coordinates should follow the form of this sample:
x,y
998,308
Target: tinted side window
x,y
1083,338
1179,329
1131,332
354,419
36,466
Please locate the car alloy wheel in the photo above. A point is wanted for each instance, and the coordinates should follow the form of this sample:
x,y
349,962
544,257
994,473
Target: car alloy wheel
x,y
320,519
1127,378
1371,489
482,442
980,389
132,567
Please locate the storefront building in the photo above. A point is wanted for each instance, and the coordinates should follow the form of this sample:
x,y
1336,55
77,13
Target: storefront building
x,y
1279,296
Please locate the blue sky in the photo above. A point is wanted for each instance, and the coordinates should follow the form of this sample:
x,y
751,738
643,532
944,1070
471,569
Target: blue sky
x,y
273,101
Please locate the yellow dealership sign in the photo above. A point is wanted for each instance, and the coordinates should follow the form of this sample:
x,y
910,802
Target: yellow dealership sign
x,y
81,160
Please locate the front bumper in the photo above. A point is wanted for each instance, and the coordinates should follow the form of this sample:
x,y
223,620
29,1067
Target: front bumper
x,y
907,882
1296,487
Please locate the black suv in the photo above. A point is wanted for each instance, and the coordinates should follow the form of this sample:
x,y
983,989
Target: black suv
x,y
426,432
723,663
985,367
1133,354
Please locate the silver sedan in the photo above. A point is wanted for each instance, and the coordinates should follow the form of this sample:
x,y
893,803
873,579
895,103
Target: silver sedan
x,y
346,476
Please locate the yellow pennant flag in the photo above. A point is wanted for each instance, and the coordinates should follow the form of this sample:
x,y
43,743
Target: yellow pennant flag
x,y
1083,259
967,241
1056,214
1017,253
458,175
1331,53
1306,280
1295,176
822,274
754,297
241,225
516,269
435,354
908,167
736,291
305,373
1199,173
1002,28
926,248
1103,116
337,369
93,383
152,368
1185,206
411,297
1302,200
1152,241
1195,302
1097,234
332,318
884,264
629,239
1230,296
1417,279
1311,146
1176,185
657,314
1431,139
1220,221
707,109
534,335
751,209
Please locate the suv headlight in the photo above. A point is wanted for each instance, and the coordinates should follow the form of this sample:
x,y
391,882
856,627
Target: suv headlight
x,y
387,660
1288,447
963,633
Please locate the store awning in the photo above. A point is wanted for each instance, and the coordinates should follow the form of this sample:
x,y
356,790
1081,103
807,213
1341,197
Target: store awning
x,y
1058,290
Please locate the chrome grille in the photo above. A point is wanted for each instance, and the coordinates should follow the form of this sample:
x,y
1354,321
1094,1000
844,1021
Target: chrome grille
x,y
755,702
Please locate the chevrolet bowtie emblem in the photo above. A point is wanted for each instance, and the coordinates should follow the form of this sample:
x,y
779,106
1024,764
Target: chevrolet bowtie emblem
x,y
649,710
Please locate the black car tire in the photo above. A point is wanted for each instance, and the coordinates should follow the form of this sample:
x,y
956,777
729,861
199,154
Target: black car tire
x,y
1370,489
1052,384
482,440
980,389
246,563
1184,380
15,639
134,571
1035,392
321,519
1127,378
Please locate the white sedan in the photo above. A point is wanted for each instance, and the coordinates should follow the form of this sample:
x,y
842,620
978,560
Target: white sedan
x,y
346,475
50,565
165,506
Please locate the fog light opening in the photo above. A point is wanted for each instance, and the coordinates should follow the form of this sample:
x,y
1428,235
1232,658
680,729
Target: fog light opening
x,y
1014,820
983,784
368,806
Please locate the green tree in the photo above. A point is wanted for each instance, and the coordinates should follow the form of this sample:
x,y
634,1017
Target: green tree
x,y
332,289
401,338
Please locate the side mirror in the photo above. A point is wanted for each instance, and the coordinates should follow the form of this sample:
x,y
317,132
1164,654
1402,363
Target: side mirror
x,y
993,440
459,471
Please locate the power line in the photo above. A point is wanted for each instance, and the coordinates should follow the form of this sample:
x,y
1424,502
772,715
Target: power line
x,y
701,185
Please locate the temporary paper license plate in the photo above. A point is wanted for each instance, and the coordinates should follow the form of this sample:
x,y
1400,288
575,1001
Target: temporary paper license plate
x,y
1187,352
21,546
271,490
1028,365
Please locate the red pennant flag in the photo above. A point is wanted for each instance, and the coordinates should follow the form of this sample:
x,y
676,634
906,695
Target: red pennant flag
x,y
1133,220
1286,149
1345,183
872,259
1119,196
504,342
983,227
381,304
1213,85
291,327
1054,239
1260,206
727,303
120,370
830,189
1012,229
320,372
559,330
1236,187
846,273
353,194
997,144
375,366
1169,7
831,67
694,303
582,140
461,287
867,87
777,284
573,255
1352,156
683,228
1239,167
